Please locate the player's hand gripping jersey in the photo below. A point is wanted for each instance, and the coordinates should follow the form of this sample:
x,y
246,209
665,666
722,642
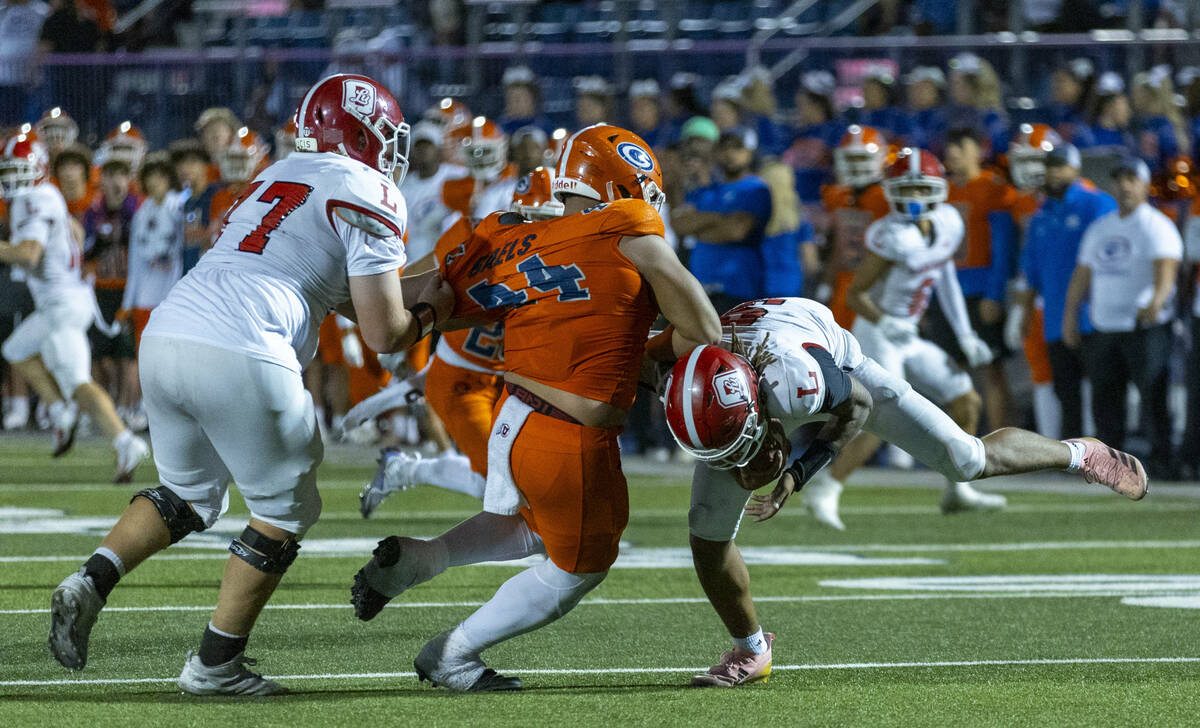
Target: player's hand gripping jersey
x,y
284,257
904,292
576,310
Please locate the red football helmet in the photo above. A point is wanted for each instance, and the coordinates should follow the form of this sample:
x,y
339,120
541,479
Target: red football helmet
x,y
125,144
605,163
711,402
57,129
533,198
354,116
1027,154
285,139
915,184
25,163
859,158
481,146
240,161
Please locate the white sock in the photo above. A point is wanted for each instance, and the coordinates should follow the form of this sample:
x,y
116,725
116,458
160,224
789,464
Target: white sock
x,y
225,634
55,409
1077,451
755,643
111,556
531,599
19,404
489,537
123,439
452,472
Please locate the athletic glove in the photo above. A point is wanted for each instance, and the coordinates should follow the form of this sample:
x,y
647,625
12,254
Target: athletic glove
x,y
976,350
895,329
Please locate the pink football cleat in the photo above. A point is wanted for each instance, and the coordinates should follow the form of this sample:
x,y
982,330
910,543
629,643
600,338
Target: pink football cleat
x,y
1118,470
738,668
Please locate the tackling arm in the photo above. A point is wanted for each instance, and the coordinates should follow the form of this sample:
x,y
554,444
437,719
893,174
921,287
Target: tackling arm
x,y
680,296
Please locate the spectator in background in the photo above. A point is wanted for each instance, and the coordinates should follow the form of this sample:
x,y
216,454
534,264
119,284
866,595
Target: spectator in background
x,y
1112,116
1047,263
1187,80
106,226
645,112
1161,133
1128,259
788,253
70,29
975,95
522,100
726,106
880,110
1071,90
728,219
192,165
818,131
698,139
985,263
20,26
71,169
593,101
758,111
682,104
530,149
215,128
927,121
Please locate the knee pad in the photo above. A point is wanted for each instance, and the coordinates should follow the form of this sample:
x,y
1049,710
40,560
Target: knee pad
x,y
175,512
263,553
966,458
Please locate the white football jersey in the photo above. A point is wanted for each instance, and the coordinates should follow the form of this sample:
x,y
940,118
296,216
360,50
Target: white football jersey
x,y
904,292
794,384
495,197
428,216
303,227
155,251
40,213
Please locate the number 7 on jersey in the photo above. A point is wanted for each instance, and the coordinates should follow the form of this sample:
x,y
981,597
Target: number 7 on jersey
x,y
284,198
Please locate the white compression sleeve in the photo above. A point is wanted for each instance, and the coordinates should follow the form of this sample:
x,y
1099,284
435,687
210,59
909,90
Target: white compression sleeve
x,y
452,472
490,537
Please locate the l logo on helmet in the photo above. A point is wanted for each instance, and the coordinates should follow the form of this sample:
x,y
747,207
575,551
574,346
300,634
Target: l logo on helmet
x,y
731,389
636,156
358,97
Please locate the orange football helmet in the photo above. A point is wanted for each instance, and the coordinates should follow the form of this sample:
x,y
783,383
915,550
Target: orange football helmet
x,y
285,139
534,198
125,143
1027,154
242,157
449,114
25,163
1175,182
859,159
56,129
481,146
605,163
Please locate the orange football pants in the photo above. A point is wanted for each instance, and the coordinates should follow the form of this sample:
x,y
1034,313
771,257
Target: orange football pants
x,y
570,475
842,313
1036,352
464,401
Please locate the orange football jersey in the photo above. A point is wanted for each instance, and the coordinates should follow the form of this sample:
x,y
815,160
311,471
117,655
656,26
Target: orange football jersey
x,y
978,198
849,215
576,311
482,346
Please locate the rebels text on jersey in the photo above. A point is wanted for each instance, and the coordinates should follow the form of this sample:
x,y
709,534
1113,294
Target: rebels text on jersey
x,y
479,348
40,213
576,310
791,329
289,245
904,292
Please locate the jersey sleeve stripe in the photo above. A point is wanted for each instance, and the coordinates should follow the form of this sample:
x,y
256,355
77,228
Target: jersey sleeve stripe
x,y
332,204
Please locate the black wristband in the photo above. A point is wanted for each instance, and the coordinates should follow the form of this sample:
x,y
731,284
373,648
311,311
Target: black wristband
x,y
419,311
817,455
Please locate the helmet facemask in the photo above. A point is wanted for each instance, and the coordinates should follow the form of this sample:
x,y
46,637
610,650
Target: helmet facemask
x,y
858,167
1028,168
915,197
395,144
17,174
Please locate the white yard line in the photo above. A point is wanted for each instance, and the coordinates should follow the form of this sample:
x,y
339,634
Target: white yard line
x,y
920,596
644,670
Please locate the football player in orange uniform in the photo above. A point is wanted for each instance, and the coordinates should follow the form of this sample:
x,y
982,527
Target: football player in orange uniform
x,y
577,295
482,147
241,162
850,207
463,381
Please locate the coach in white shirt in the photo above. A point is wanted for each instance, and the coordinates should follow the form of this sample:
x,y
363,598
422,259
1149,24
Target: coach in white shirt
x,y
1128,261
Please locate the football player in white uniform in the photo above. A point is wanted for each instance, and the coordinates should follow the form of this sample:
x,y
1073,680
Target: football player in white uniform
x,y
221,361
742,417
423,188
50,348
910,255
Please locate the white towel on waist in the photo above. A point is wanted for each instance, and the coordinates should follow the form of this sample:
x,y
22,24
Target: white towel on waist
x,y
501,495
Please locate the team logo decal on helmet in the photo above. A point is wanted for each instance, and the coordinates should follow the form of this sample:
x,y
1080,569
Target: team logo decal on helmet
x,y
730,388
358,97
636,156
523,185
712,407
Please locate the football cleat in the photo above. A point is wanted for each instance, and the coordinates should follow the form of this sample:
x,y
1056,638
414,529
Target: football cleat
x,y
397,564
129,455
738,667
1120,471
821,496
231,678
396,471
74,608
960,497
438,664
66,424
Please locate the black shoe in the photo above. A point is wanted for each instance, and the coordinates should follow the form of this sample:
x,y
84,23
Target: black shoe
x,y
368,602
